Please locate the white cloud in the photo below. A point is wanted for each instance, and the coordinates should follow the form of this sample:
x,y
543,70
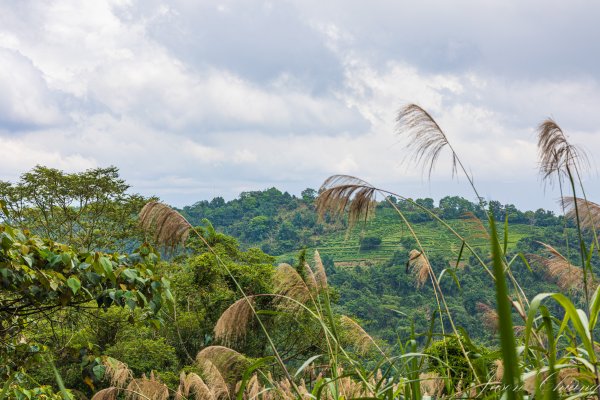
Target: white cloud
x,y
189,110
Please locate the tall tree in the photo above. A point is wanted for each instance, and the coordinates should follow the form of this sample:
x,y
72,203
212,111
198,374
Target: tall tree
x,y
88,210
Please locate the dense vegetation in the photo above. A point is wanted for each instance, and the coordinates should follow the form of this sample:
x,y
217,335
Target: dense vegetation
x,y
461,299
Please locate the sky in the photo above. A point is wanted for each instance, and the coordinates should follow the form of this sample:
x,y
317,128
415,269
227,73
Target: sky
x,y
197,99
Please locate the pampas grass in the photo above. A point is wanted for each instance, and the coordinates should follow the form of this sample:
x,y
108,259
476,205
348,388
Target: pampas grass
x,y
341,193
320,274
589,212
146,389
425,137
117,372
168,227
289,283
558,269
556,154
356,335
192,387
489,317
106,394
419,266
232,325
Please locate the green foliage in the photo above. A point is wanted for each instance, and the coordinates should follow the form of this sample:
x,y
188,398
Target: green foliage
x,y
88,210
143,355
446,358
40,278
369,243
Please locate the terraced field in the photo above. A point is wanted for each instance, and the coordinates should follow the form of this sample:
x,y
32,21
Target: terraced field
x,y
343,246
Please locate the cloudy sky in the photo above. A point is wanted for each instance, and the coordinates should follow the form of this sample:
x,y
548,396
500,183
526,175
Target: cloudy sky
x,y
196,99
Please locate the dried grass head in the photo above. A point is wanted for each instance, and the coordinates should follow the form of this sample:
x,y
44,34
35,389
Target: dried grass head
x,y
556,154
558,269
145,389
233,324
341,193
320,274
289,283
168,228
489,317
229,363
192,387
110,393
214,379
425,137
431,384
356,335
589,212
419,266
117,372
310,278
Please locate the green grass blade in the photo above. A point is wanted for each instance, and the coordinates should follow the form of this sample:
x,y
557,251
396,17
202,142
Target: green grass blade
x,y
512,377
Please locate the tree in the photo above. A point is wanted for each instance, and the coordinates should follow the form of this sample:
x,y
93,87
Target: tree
x,y
370,243
40,277
87,210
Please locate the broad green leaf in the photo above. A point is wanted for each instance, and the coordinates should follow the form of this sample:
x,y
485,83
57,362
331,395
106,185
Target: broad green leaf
x,y
74,283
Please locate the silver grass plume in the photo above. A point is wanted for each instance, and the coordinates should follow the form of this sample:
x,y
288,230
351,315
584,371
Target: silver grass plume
x,y
214,379
556,154
143,389
117,372
289,283
356,335
232,325
341,193
106,394
192,387
229,363
589,212
419,266
310,279
320,274
489,317
557,268
168,227
425,137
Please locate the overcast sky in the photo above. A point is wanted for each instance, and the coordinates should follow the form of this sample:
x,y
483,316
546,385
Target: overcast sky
x,y
196,99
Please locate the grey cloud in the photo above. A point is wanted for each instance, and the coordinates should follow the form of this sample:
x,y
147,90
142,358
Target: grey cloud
x,y
257,40
26,102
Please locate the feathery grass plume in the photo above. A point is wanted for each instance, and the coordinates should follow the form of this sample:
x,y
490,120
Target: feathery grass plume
x,y
557,268
288,282
589,212
425,137
431,384
556,154
498,370
117,372
356,335
310,279
320,274
168,227
232,325
229,363
476,228
252,388
144,389
489,316
192,387
214,379
341,192
419,266
106,394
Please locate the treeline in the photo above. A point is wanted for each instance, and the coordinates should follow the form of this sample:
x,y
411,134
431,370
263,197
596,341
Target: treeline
x,y
279,222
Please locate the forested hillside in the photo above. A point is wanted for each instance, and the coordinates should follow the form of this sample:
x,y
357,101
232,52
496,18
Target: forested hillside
x,y
334,295
367,264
